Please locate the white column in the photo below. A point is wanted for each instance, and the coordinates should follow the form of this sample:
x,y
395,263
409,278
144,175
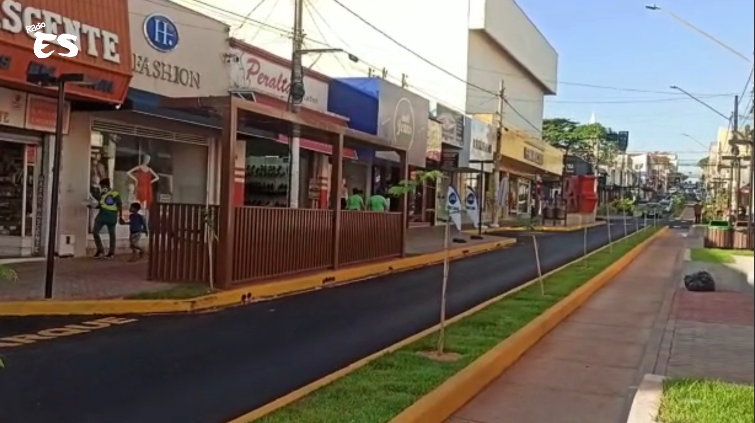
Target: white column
x,y
294,177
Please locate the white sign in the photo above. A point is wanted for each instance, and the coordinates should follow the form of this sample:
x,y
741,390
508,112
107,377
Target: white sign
x,y
482,139
18,18
265,76
453,205
12,108
64,40
472,207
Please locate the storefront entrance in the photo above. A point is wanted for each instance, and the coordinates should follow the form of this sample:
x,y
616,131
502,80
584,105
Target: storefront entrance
x,y
21,195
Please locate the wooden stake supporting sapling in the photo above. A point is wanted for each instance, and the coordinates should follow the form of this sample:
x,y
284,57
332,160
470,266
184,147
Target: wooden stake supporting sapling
x,y
405,188
539,267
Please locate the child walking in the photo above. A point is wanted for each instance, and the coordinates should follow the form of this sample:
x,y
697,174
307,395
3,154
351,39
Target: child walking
x,y
137,227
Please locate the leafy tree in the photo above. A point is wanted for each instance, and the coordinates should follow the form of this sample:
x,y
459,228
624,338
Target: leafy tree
x,y
703,163
578,139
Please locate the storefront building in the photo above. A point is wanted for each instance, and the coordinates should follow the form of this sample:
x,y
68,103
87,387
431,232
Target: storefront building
x,y
531,171
476,160
266,175
377,107
28,113
149,152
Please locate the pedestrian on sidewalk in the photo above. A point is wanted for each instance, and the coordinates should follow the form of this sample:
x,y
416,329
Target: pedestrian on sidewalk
x,y
355,201
137,227
110,209
698,213
377,202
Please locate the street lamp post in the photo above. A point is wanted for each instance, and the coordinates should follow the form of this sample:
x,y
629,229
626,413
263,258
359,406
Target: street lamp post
x,y
698,30
60,81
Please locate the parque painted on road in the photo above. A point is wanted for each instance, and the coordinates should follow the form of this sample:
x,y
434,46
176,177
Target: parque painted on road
x,y
64,331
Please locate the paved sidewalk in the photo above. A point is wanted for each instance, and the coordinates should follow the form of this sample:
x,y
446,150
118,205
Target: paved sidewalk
x,y
85,278
587,369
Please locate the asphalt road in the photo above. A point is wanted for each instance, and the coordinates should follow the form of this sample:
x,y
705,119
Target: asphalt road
x,y
210,368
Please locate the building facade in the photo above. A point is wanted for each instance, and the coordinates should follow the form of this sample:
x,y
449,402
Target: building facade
x,y
28,115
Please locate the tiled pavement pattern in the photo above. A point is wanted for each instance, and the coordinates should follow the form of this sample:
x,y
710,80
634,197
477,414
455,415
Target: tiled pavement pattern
x,y
586,369
711,336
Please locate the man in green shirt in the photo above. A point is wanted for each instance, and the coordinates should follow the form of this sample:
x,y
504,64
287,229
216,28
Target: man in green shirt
x,y
110,207
377,203
355,201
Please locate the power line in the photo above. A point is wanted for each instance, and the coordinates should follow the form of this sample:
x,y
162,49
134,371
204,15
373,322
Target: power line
x,y
429,62
248,15
601,87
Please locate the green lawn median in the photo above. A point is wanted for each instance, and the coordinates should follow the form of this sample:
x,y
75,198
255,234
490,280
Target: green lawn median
x,y
702,401
382,389
713,255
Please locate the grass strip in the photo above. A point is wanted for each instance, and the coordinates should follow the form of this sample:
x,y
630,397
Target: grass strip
x,y
713,255
705,401
382,389
183,291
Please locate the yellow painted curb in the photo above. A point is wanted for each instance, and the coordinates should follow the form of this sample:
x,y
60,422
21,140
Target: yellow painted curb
x,y
239,296
452,395
320,383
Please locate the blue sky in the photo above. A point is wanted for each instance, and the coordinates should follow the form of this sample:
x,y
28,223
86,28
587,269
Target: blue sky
x,y
620,43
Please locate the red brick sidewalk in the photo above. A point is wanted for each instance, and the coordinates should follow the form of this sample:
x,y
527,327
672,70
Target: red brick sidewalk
x,y
586,369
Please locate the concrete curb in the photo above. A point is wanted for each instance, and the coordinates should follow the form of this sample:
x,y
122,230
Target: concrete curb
x,y
247,294
452,395
647,401
545,228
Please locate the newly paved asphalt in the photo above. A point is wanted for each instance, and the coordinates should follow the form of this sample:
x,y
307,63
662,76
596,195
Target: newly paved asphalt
x,y
210,368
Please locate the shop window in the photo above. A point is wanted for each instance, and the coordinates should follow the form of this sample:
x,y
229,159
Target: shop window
x,y
146,170
523,200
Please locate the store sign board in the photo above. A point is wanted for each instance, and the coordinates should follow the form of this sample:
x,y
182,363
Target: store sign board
x,y
254,71
29,111
102,40
12,108
42,114
479,139
165,40
453,125
402,120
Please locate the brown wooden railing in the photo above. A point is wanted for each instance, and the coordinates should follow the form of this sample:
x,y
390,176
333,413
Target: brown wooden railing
x,y
367,236
178,242
268,242
271,242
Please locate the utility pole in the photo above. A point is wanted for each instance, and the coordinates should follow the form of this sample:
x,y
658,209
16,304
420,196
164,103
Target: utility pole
x,y
497,154
295,97
734,167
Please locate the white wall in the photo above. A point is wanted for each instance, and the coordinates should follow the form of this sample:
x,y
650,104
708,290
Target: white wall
x,y
510,27
487,65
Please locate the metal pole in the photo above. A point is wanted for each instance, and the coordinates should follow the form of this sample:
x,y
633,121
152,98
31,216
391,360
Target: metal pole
x,y
497,154
481,199
735,128
444,286
297,84
52,231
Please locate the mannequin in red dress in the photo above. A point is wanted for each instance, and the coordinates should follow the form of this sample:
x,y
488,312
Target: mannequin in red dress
x,y
143,177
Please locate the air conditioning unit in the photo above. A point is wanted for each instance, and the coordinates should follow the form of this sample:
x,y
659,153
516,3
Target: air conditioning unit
x,y
66,245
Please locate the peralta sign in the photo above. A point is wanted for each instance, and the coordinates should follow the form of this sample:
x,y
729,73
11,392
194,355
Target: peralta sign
x,y
270,75
104,51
